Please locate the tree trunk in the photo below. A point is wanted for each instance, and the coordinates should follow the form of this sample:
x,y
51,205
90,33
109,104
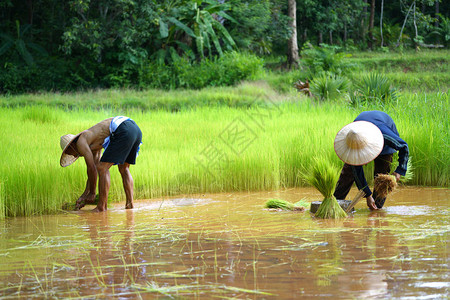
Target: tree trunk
x,y
381,23
403,26
345,32
293,57
436,24
320,38
416,43
30,11
372,16
331,37
363,21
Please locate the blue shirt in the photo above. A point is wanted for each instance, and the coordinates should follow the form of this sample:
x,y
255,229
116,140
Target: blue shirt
x,y
392,144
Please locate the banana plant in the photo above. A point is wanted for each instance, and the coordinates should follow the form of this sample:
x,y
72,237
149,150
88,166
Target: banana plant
x,y
20,44
198,21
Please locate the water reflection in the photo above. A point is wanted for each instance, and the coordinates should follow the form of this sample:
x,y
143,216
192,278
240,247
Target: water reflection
x,y
228,246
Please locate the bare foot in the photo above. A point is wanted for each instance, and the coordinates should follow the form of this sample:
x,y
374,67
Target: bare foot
x,y
98,209
129,206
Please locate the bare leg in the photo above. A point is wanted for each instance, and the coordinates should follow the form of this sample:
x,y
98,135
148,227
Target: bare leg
x,y
128,184
104,183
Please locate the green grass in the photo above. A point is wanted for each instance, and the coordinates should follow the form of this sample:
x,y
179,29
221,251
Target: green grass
x,y
426,70
244,95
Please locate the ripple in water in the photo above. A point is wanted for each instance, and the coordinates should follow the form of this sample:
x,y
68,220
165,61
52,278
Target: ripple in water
x,y
409,210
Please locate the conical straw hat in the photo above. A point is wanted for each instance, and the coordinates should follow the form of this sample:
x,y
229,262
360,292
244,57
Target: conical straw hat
x,y
358,143
65,142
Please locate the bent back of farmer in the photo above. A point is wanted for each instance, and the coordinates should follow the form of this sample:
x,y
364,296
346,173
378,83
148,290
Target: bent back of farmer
x,y
121,138
372,136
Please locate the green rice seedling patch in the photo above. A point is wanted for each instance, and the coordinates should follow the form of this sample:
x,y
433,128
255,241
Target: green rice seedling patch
x,y
281,139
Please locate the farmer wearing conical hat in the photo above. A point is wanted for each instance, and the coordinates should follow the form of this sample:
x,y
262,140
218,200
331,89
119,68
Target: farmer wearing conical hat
x,y
372,136
121,139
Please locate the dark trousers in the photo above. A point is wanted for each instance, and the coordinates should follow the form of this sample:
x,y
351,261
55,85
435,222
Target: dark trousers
x,y
382,165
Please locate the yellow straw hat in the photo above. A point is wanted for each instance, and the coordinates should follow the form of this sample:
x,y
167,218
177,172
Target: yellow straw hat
x,y
358,143
65,142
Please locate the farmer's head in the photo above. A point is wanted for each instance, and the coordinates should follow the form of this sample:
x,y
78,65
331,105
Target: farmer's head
x,y
358,143
70,153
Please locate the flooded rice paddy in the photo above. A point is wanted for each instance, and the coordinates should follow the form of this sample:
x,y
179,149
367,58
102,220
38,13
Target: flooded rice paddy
x,y
229,246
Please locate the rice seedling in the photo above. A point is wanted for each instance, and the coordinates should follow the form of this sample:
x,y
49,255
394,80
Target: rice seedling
x,y
40,114
355,200
303,203
278,203
324,177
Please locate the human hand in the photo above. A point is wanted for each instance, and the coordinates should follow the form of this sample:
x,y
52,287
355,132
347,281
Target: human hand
x,y
371,203
397,176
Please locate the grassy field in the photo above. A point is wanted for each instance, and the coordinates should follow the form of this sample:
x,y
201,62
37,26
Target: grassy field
x,y
423,71
248,137
244,95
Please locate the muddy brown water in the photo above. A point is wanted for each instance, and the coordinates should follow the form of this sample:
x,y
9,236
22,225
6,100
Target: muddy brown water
x,y
228,246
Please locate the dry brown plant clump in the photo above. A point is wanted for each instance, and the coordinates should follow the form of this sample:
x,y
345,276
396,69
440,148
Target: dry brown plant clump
x,y
384,184
303,87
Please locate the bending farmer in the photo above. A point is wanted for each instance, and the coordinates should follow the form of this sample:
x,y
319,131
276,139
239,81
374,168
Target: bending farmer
x,y
372,136
121,138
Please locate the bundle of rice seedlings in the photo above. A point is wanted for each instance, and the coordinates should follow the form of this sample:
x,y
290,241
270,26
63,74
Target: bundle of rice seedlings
x,y
358,197
384,184
278,203
324,177
283,204
302,204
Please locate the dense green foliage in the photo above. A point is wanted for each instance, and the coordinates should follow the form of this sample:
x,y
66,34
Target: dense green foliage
x,y
49,45
374,87
226,70
328,86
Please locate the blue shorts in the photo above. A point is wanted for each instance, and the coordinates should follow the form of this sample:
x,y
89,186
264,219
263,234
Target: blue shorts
x,y
124,144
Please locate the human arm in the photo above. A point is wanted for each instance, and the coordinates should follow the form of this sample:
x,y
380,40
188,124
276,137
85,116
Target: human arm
x,y
91,159
361,183
360,180
394,141
86,197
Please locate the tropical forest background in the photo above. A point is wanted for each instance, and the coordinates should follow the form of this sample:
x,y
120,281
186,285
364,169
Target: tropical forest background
x,y
51,45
